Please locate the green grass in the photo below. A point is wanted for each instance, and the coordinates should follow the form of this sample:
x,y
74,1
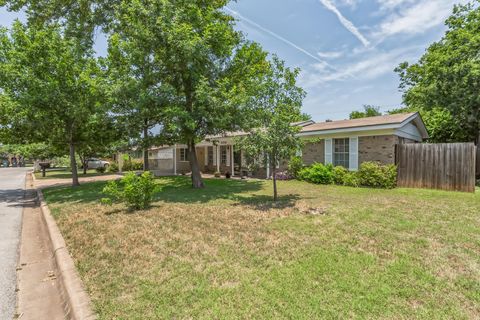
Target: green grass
x,y
228,252
67,174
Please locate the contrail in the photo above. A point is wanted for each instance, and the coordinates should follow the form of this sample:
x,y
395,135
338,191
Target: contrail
x,y
345,22
273,34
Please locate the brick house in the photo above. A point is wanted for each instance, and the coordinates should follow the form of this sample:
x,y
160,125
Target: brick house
x,y
346,143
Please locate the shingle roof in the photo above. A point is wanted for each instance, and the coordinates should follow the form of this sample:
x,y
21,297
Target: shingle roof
x,y
363,122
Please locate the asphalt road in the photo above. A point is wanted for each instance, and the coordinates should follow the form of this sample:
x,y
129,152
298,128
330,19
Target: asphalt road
x,y
12,185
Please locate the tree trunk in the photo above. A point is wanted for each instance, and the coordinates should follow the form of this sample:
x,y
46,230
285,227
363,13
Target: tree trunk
x,y
146,165
84,164
275,192
73,165
197,181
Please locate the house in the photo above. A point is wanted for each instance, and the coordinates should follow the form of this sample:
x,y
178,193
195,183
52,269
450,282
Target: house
x,y
346,143
349,143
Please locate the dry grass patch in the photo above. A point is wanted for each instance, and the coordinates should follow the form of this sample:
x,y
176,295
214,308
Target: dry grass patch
x,y
322,252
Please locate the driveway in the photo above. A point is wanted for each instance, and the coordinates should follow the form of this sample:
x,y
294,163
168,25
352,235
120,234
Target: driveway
x,y
12,184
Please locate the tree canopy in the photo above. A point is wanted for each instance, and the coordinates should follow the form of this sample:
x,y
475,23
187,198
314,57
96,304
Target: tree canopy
x,y
279,102
368,111
54,88
447,76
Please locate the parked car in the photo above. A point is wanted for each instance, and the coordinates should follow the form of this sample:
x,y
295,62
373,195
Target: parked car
x,y
94,163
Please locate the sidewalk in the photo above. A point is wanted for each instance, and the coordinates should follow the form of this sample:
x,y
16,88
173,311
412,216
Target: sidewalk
x,y
38,295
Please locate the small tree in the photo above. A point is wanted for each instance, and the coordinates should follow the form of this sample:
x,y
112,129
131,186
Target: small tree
x,y
279,102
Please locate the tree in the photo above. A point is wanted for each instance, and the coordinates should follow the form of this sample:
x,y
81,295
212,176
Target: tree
x,y
138,90
54,85
369,111
447,76
279,102
211,69
441,125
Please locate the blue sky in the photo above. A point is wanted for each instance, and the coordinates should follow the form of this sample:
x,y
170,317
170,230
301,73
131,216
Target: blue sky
x,y
347,49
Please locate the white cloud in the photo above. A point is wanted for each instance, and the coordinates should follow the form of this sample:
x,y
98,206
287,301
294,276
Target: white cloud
x,y
413,17
375,64
345,22
275,35
330,54
392,4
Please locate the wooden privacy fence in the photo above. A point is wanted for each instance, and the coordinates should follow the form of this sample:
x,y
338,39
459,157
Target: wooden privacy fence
x,y
445,166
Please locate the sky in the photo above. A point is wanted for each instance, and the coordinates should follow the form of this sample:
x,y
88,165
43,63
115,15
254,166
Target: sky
x,y
347,49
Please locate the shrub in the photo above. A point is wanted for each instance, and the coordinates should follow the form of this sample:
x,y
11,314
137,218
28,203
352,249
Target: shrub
x,y
127,165
317,173
113,167
136,191
339,174
284,175
372,174
132,165
294,166
351,179
101,169
137,165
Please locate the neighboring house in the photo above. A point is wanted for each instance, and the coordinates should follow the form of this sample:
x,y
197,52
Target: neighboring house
x,y
346,143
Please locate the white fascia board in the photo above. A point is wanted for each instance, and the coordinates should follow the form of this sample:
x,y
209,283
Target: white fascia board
x,y
350,131
346,134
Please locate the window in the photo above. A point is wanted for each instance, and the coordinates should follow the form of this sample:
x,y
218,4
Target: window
x,y
210,156
341,156
184,154
223,155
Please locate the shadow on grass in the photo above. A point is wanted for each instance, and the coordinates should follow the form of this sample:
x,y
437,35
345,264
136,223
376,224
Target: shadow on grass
x,y
179,190
64,174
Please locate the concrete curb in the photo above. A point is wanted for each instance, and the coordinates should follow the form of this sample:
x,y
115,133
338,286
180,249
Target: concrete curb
x,y
77,301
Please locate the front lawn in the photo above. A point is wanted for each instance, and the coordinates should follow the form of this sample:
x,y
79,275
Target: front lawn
x,y
67,174
322,252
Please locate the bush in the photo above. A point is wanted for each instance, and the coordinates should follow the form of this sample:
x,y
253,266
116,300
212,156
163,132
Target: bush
x,y
137,165
113,167
294,166
317,173
284,175
136,191
372,174
339,174
101,169
350,179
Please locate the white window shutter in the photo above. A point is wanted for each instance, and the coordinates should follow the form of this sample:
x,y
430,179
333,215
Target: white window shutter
x,y
215,155
206,155
328,151
353,153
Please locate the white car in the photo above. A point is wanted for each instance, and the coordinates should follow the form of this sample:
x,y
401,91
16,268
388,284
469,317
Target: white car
x,y
94,163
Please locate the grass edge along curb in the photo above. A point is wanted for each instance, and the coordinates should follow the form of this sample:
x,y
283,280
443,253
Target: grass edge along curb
x,y
77,301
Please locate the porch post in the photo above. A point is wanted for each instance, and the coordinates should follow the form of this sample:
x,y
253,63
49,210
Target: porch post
x,y
218,158
232,163
268,166
175,160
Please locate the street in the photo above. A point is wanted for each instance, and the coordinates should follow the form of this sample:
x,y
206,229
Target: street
x,y
12,184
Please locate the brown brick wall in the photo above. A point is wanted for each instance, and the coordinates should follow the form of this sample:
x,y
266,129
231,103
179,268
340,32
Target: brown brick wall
x,y
377,148
314,152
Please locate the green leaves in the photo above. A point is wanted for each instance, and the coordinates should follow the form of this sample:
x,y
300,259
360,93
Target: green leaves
x,y
447,76
135,191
